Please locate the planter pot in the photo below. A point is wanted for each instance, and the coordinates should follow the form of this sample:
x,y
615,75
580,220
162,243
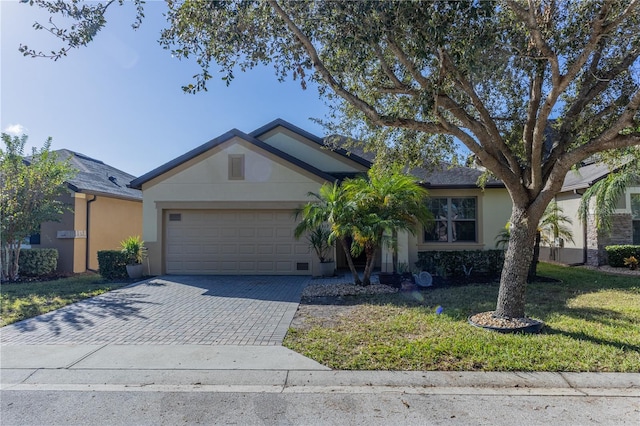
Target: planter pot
x,y
389,278
327,269
135,271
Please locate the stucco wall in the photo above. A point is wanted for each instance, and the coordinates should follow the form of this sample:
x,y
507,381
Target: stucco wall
x,y
269,182
111,220
572,252
49,234
494,210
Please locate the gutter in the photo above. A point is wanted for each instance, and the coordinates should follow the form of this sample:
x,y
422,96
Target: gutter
x,y
584,232
86,250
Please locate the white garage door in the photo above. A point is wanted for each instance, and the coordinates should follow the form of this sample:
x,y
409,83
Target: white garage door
x,y
234,242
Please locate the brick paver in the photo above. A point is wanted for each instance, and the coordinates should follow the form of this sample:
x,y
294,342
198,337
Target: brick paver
x,y
173,310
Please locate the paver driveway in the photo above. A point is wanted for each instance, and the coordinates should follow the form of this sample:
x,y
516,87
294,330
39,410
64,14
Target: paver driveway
x,y
205,310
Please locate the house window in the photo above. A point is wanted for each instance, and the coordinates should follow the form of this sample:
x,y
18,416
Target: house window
x,y
635,217
236,166
455,220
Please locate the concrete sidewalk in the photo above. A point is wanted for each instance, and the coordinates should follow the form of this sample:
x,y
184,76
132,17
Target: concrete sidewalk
x,y
200,368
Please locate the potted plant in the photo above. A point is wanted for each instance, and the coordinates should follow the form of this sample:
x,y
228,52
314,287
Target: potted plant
x,y
319,241
135,252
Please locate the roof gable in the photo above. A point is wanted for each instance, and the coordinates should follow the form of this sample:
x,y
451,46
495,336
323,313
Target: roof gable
x,y
157,172
316,145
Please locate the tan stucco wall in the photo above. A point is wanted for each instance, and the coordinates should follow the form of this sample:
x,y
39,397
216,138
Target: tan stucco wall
x,y
269,183
111,221
494,210
49,232
308,151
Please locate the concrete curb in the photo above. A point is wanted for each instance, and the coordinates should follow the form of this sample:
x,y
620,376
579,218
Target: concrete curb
x,y
346,382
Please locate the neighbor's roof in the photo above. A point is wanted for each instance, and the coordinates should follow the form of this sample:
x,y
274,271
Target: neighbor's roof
x,y
588,174
98,178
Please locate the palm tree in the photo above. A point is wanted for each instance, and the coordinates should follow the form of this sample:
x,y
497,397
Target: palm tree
x,y
387,201
331,207
607,192
364,209
552,227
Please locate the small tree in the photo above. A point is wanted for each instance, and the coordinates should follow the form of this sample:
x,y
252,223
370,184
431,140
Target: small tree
x,y
29,191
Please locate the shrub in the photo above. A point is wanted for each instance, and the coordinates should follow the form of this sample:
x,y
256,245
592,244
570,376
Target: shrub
x,y
617,254
112,264
459,263
37,262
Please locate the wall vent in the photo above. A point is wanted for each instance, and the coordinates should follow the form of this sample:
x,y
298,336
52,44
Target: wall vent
x,y
175,217
302,266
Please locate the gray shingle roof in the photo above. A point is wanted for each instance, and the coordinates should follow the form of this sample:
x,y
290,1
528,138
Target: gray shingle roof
x,y
98,178
441,176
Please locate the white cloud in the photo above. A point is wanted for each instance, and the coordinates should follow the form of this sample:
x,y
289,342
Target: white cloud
x,y
15,129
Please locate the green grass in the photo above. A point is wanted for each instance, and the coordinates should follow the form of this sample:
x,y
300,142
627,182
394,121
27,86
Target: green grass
x,y
20,301
592,324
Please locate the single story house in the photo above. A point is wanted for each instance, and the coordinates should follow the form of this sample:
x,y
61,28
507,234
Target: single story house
x,y
103,211
589,243
227,206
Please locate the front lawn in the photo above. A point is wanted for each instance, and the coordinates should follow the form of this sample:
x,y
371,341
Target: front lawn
x,y
592,324
20,301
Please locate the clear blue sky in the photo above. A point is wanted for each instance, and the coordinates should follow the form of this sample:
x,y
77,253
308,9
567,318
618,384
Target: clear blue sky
x,y
120,100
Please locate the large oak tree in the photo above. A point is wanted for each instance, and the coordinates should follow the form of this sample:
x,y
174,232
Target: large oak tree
x,y
496,76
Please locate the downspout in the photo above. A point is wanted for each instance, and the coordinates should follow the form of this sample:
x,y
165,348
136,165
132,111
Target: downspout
x,y
584,232
86,251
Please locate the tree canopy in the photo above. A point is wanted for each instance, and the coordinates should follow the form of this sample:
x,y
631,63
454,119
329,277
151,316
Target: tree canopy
x,y
530,87
29,191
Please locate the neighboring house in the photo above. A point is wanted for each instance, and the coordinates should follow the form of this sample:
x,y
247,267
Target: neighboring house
x,y
227,207
588,246
103,212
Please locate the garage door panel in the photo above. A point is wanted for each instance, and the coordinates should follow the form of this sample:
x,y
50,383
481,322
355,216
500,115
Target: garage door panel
x,y
265,249
283,249
233,242
264,232
246,249
284,233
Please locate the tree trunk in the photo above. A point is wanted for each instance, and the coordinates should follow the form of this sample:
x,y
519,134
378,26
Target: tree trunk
x,y
352,267
513,282
533,268
394,250
368,269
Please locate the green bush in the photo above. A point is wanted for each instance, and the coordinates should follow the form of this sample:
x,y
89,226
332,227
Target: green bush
x,y
617,254
37,262
112,264
454,263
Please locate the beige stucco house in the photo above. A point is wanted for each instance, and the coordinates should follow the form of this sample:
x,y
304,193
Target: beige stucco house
x,y
103,211
589,243
226,207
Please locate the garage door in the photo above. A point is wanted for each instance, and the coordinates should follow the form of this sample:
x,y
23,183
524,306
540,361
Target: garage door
x,y
234,242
